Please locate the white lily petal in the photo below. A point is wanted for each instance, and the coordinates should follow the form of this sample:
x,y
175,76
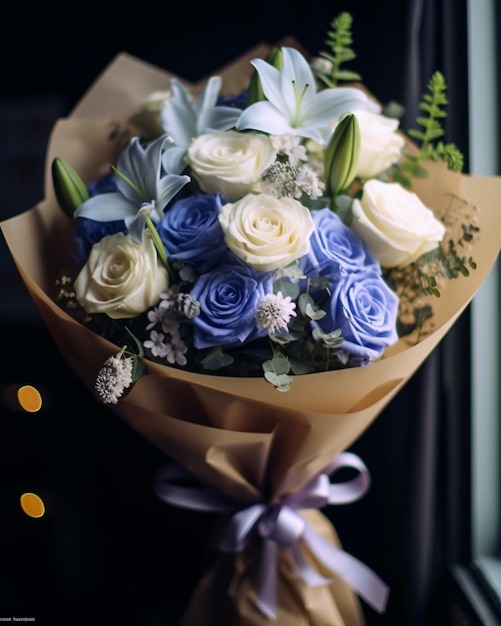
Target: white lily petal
x,y
296,68
330,104
209,95
173,159
177,116
219,119
168,187
137,223
106,207
265,117
142,166
270,79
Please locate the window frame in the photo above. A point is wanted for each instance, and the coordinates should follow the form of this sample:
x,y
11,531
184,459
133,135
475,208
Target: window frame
x,y
475,576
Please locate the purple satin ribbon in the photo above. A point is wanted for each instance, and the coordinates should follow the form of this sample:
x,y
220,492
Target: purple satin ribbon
x,y
281,525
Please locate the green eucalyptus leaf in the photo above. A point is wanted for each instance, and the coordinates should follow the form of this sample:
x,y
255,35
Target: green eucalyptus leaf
x,y
286,287
216,359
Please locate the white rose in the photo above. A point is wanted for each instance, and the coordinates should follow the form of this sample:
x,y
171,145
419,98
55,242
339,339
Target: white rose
x,y
396,226
121,278
381,146
267,232
230,162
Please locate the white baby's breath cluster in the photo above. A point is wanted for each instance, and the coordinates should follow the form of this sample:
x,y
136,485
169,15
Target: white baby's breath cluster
x,y
114,378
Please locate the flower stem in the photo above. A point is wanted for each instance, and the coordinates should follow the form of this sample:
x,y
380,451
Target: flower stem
x,y
159,246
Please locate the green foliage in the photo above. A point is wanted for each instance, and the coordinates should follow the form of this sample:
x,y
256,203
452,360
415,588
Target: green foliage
x,y
216,359
433,104
425,276
339,41
309,308
139,367
329,340
276,371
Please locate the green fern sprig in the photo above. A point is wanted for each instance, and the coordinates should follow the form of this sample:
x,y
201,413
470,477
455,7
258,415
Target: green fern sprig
x,y
433,103
339,41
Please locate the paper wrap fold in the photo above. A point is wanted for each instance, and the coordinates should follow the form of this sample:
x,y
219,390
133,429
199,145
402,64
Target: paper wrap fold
x,y
239,435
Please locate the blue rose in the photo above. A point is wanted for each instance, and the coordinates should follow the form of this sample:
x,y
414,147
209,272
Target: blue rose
x,y
105,184
228,297
88,232
239,100
191,233
335,248
365,309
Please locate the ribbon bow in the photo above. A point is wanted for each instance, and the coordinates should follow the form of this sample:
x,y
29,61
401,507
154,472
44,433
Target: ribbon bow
x,y
282,525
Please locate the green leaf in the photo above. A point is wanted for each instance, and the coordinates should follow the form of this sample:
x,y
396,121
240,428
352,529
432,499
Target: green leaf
x,y
216,359
433,104
276,372
278,364
339,51
139,368
287,287
347,75
329,340
308,307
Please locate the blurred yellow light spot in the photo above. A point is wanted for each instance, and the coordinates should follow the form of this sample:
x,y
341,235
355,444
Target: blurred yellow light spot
x,y
32,505
29,398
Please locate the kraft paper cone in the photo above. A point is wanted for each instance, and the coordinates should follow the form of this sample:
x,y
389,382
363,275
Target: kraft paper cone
x,y
238,435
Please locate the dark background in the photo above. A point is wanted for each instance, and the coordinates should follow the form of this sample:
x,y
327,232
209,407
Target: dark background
x,y
107,551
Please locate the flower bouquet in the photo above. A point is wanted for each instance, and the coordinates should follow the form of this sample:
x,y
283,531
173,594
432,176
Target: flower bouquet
x,y
247,271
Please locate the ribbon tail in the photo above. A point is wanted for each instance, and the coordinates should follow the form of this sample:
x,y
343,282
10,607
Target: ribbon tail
x,y
310,576
361,578
267,586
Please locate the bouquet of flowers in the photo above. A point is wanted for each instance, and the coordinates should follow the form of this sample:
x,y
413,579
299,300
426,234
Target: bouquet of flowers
x,y
247,271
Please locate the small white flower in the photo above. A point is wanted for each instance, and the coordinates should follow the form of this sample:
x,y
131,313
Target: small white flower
x,y
155,317
309,182
279,180
156,344
114,378
177,350
291,147
274,312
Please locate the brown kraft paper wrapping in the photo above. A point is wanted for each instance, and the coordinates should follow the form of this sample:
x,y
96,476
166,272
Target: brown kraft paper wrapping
x,y
238,435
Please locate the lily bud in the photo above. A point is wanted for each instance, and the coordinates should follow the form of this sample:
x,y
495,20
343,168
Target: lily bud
x,y
69,188
255,90
341,155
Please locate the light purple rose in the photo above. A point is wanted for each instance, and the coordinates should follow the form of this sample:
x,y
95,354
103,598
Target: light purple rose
x,y
365,309
335,248
191,233
228,297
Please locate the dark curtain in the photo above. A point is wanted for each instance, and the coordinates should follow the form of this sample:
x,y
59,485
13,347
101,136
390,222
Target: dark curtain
x,y
113,553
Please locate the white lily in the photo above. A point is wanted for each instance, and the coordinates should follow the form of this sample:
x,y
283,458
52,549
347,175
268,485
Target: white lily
x,y
141,181
293,105
183,119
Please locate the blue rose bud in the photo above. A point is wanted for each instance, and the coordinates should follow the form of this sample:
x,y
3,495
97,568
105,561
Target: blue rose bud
x,y
341,155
